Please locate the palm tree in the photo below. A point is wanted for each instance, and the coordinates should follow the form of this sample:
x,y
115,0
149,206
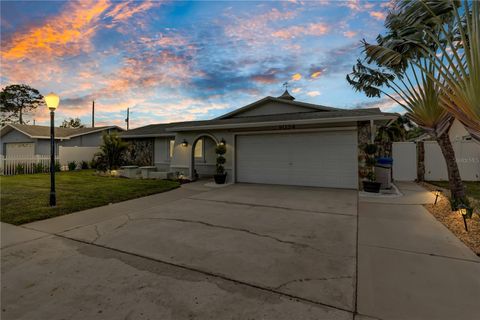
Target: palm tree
x,y
451,43
392,132
400,70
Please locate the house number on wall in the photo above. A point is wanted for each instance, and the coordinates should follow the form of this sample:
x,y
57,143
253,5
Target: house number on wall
x,y
286,127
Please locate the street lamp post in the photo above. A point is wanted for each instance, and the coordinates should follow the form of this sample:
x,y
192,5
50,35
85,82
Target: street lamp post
x,y
52,101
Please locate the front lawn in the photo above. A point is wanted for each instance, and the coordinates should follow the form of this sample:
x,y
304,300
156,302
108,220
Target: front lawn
x,y
473,187
24,198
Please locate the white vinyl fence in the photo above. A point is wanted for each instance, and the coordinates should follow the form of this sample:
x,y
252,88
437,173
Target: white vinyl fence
x,y
77,154
404,155
24,165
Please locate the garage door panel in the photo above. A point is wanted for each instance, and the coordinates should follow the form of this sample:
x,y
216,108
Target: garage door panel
x,y
325,159
25,150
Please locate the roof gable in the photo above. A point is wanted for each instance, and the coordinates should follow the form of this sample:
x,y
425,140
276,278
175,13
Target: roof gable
x,y
43,132
272,106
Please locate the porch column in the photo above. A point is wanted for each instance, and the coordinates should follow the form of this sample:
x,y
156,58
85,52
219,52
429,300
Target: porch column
x,y
364,137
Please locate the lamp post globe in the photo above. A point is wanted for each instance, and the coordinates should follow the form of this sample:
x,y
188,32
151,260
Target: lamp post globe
x,y
52,100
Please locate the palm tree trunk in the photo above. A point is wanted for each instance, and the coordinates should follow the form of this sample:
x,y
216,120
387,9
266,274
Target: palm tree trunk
x,y
457,188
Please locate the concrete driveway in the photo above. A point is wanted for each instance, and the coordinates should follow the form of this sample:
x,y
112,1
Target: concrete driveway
x,y
242,252
238,252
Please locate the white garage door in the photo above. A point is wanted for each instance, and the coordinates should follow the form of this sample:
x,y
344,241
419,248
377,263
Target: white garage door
x,y
320,159
24,150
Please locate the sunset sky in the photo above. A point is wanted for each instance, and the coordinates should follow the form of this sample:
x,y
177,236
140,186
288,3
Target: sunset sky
x,y
176,61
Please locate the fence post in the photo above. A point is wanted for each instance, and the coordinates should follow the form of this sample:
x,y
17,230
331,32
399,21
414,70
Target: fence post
x,y
420,161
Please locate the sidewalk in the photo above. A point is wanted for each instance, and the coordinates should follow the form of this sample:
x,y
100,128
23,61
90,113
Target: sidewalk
x,y
409,265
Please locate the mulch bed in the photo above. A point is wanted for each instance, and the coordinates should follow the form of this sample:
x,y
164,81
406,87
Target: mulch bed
x,y
453,220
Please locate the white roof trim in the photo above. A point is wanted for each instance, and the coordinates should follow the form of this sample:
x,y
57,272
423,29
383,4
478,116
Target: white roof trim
x,y
260,102
152,135
283,122
94,131
61,138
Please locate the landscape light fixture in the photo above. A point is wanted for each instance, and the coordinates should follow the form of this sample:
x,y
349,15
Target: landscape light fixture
x,y
52,100
463,210
438,192
222,142
184,143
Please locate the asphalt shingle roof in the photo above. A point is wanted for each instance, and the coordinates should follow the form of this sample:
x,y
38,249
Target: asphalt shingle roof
x,y
44,131
158,129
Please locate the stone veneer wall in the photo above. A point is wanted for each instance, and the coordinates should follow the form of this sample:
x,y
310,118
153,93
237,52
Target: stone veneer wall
x,y
364,135
140,152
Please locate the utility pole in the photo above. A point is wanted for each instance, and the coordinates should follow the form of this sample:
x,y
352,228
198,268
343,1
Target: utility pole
x,y
127,120
93,114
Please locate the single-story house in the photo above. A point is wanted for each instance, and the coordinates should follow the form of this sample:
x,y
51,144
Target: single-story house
x,y
29,140
275,140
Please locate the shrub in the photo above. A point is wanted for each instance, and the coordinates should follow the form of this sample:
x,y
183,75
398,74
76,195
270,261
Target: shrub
x,y
370,161
57,166
72,165
20,168
370,149
39,168
220,150
112,151
99,163
221,160
84,165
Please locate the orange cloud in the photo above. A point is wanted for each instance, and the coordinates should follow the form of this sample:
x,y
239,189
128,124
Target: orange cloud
x,y
255,29
350,34
124,10
296,77
313,29
313,93
379,15
296,90
316,74
67,34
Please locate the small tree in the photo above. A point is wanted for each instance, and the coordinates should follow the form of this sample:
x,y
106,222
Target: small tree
x,y
112,152
220,150
72,123
221,175
370,161
17,99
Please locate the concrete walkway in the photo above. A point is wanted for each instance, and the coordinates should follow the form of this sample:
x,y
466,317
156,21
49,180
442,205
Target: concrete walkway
x,y
242,252
409,265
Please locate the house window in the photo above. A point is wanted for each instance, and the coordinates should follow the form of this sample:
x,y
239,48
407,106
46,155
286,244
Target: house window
x,y
199,149
171,148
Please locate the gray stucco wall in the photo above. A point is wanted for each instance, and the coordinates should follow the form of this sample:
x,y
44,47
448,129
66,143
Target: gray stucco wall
x,y
13,137
273,108
42,146
182,158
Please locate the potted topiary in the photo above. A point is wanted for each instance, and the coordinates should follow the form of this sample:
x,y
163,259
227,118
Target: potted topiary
x,y
221,175
370,185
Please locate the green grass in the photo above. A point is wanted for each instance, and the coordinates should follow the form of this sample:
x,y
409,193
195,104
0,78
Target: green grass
x,y
473,187
25,198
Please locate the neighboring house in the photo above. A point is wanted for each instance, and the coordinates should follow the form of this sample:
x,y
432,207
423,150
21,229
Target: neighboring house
x,y
422,158
457,132
27,140
273,141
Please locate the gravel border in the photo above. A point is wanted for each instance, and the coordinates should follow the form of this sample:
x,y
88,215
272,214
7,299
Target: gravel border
x,y
453,221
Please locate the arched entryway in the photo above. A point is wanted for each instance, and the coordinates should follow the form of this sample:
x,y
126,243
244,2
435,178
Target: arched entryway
x,y
203,157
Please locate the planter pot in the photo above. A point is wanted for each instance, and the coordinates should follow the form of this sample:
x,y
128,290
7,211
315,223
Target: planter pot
x,y
220,178
371,186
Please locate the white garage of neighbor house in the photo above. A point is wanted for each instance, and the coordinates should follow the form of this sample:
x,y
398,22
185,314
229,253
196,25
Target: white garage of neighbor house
x,y
272,141
26,141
